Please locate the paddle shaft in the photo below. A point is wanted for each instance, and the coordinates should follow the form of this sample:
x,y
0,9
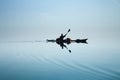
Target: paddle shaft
x,y
67,32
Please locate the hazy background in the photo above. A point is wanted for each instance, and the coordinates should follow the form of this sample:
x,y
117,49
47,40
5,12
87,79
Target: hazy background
x,y
31,20
98,19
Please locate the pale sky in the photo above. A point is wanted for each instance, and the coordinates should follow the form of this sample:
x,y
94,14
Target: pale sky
x,y
50,18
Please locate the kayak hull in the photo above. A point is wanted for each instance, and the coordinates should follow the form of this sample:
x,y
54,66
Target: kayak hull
x,y
68,41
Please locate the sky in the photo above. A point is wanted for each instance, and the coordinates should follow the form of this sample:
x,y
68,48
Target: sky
x,y
38,19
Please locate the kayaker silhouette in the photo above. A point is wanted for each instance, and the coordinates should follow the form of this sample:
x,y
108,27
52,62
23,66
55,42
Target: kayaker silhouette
x,y
62,37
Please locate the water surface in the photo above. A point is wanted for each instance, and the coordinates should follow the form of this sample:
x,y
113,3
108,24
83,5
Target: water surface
x,y
47,61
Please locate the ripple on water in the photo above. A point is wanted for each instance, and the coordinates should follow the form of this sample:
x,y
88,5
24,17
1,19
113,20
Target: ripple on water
x,y
82,70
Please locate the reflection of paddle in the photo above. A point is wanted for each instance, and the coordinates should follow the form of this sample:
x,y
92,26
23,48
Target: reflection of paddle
x,y
67,48
70,51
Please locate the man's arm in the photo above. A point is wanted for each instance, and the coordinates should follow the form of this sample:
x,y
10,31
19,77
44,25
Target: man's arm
x,y
65,35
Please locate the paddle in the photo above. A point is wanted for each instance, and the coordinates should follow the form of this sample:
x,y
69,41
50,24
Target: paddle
x,y
68,49
67,32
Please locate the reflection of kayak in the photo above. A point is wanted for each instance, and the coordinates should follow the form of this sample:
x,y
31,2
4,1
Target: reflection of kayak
x,y
68,41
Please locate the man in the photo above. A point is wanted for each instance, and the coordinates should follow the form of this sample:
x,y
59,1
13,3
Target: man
x,y
62,37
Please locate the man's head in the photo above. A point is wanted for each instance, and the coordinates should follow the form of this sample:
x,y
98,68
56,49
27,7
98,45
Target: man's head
x,y
61,34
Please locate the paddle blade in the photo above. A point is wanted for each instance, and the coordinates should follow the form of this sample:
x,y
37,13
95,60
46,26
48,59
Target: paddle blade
x,y
69,30
70,51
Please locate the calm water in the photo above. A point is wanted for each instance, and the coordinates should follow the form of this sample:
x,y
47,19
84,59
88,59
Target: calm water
x,y
47,61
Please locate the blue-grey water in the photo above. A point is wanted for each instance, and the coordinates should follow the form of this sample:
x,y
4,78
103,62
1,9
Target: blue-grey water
x,y
31,60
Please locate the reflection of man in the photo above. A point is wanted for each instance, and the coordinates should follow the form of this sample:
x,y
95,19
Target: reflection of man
x,y
62,45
